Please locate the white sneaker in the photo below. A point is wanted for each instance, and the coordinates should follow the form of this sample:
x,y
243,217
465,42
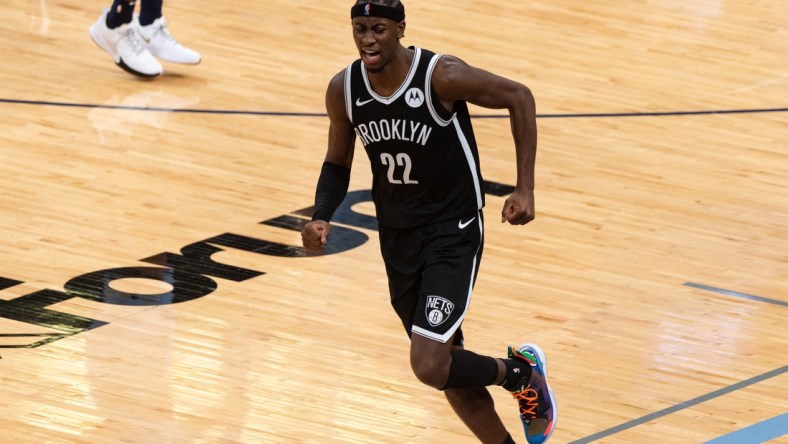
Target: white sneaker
x,y
163,45
125,47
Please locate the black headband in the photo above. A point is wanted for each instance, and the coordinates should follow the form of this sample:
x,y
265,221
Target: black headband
x,y
373,10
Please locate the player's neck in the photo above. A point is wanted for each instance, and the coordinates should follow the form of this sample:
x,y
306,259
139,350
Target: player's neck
x,y
391,77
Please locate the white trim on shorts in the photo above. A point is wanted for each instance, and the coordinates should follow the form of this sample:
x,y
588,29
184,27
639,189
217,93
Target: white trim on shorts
x,y
446,336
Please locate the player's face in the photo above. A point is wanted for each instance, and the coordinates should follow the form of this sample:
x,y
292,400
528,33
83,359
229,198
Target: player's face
x,y
377,40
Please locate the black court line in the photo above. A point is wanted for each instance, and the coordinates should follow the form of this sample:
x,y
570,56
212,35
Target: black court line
x,y
658,113
300,114
737,294
681,406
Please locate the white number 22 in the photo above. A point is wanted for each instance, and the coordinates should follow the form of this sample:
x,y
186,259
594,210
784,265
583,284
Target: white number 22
x,y
403,160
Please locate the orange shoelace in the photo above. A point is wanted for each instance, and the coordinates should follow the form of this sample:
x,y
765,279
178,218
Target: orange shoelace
x,y
531,398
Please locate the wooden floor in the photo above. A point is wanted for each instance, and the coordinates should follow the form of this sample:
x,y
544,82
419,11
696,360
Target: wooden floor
x,y
655,276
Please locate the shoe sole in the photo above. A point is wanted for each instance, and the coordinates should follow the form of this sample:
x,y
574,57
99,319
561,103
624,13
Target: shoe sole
x,y
541,362
129,70
180,62
115,57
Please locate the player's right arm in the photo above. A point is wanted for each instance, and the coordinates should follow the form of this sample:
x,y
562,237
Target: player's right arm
x,y
334,178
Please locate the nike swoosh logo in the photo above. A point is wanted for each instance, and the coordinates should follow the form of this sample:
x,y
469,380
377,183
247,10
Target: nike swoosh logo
x,y
360,103
465,224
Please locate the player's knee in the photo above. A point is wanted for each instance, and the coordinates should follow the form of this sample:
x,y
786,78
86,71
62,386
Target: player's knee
x,y
431,370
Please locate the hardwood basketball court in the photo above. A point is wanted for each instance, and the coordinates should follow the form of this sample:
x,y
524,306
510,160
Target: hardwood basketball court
x,y
152,287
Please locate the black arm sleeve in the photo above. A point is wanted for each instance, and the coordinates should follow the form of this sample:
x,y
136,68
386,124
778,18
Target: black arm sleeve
x,y
331,190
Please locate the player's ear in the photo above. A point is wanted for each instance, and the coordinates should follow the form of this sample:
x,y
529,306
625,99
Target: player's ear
x,y
401,29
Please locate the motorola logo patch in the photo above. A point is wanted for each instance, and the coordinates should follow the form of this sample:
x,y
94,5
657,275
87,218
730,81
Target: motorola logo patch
x,y
414,97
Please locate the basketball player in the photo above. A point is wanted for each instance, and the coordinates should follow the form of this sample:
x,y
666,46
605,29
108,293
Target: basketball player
x,y
408,108
135,42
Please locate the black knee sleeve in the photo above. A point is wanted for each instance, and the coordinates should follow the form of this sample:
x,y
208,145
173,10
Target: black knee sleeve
x,y
469,370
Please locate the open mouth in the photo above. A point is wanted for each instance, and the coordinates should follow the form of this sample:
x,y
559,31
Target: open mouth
x,y
370,57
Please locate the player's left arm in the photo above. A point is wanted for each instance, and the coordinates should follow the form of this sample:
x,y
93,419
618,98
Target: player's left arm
x,y
455,80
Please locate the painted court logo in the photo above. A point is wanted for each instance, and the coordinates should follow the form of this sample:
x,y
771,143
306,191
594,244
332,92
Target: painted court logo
x,y
438,310
191,272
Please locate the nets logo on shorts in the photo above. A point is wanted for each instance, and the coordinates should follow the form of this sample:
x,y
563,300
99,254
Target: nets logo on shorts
x,y
438,310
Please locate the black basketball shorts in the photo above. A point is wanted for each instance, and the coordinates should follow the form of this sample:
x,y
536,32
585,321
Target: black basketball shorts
x,y
431,272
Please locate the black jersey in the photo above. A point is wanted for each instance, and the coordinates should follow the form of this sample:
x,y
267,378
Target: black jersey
x,y
424,159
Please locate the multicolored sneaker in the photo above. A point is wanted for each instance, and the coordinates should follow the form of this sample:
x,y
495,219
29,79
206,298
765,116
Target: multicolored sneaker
x,y
538,409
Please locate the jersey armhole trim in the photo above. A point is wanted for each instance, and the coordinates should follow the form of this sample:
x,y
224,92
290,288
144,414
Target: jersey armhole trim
x,y
428,93
348,99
